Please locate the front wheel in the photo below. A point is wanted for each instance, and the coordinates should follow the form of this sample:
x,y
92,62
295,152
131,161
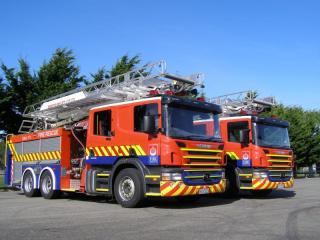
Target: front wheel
x,y
46,186
128,188
28,185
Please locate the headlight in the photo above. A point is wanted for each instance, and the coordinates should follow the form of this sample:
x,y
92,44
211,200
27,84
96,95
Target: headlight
x,y
171,176
260,175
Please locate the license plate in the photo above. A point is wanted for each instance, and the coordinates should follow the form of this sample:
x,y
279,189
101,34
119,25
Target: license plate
x,y
280,185
204,191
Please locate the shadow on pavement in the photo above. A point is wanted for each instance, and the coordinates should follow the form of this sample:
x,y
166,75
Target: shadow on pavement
x,y
279,193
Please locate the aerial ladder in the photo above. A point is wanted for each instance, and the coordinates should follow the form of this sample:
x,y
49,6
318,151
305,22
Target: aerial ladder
x,y
244,102
67,108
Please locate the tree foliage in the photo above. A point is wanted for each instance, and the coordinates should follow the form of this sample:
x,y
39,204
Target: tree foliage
x,y
304,132
20,88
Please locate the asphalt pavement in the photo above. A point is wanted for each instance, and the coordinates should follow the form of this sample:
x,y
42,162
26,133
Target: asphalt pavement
x,y
285,214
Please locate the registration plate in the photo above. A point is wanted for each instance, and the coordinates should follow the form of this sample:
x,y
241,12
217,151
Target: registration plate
x,y
204,191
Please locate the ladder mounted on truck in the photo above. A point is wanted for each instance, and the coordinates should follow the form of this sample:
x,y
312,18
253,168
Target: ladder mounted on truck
x,y
245,102
72,106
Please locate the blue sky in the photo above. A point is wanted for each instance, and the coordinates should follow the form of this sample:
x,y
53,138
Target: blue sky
x,y
272,46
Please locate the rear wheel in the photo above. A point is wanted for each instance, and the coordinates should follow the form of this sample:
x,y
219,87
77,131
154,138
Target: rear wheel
x,y
28,185
128,188
46,186
261,193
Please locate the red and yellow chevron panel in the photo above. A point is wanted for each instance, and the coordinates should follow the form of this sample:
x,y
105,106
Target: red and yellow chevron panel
x,y
112,151
178,188
36,156
264,183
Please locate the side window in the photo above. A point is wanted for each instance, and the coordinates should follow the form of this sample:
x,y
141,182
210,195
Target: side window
x,y
102,123
144,110
234,130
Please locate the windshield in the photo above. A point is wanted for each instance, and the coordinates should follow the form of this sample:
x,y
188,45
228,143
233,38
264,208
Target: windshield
x,y
272,136
192,123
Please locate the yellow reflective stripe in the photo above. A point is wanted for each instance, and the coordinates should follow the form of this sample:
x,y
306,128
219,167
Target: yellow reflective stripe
x,y
200,150
276,160
278,155
103,174
151,194
245,174
201,164
111,151
141,150
104,151
152,176
124,150
202,157
235,155
102,189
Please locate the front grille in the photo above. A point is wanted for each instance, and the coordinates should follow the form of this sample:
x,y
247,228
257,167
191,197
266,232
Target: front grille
x,y
280,167
202,176
201,157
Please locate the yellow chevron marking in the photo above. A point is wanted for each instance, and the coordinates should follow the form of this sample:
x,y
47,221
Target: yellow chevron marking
x,y
50,155
177,193
111,151
188,191
116,148
46,156
168,189
124,150
136,150
34,156
141,150
98,151
87,152
200,150
59,154
104,151
202,157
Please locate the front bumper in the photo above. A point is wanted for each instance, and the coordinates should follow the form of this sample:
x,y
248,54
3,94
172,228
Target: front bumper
x,y
178,188
265,183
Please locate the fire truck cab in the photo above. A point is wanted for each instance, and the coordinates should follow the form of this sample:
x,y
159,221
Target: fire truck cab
x,y
258,154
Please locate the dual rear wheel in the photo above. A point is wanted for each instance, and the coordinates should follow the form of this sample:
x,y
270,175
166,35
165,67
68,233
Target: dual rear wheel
x,y
46,186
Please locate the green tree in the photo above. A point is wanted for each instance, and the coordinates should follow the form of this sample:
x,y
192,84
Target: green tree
x,y
123,65
304,132
58,75
22,88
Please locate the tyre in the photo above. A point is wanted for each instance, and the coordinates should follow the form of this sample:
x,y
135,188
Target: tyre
x,y
28,185
261,193
188,199
232,180
128,188
46,186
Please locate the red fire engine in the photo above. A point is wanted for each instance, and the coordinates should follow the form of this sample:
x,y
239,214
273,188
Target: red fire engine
x,y
257,149
130,137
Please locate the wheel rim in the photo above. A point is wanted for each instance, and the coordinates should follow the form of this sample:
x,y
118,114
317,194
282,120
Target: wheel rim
x,y
28,184
46,184
126,188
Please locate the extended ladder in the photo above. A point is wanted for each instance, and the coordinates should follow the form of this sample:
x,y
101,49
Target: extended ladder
x,y
72,106
245,102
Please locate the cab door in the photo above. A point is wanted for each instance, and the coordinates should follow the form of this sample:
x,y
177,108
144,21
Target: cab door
x,y
236,150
